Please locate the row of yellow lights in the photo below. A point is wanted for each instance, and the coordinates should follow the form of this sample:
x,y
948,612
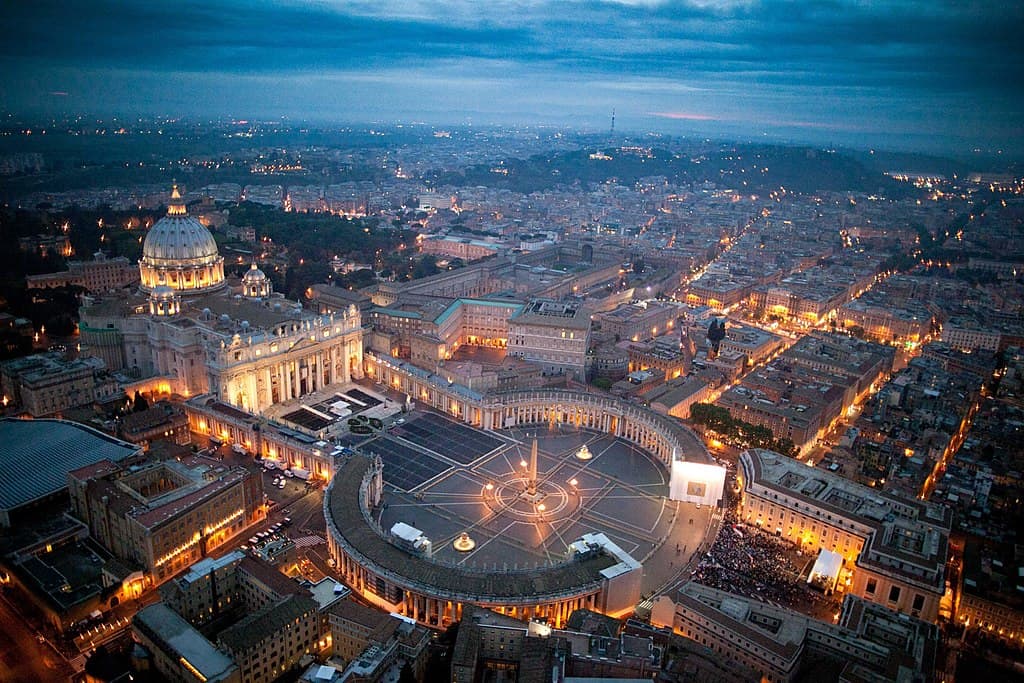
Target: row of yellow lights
x,y
224,522
196,537
191,669
967,622
179,550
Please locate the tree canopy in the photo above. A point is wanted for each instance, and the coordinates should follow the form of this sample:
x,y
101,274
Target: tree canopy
x,y
739,432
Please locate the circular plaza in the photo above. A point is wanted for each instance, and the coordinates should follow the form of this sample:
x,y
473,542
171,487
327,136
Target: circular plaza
x,y
565,506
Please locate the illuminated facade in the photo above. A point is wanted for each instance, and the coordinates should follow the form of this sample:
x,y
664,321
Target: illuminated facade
x,y
718,291
287,361
753,343
657,434
895,550
244,343
99,275
640,322
554,335
665,355
432,333
989,598
993,614
258,623
255,283
165,516
886,322
208,415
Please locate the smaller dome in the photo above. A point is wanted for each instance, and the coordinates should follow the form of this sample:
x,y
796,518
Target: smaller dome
x,y
162,291
163,299
254,274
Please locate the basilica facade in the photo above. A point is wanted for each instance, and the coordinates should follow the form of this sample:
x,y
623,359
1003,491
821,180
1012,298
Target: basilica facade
x,y
193,330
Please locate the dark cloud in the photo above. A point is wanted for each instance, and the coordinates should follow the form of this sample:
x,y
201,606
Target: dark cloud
x,y
816,63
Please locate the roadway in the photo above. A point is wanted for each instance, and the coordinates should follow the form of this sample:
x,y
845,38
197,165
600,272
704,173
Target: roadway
x,y
24,656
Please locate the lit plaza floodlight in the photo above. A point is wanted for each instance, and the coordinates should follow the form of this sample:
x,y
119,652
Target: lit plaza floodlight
x,y
464,543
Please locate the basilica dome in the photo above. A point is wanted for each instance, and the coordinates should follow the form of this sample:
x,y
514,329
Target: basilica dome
x,y
180,252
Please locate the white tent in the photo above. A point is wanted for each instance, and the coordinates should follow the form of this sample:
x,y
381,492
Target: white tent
x,y
325,673
826,569
341,409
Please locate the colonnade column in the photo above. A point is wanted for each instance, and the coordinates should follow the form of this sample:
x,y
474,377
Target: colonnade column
x,y
296,379
268,389
334,364
252,389
353,349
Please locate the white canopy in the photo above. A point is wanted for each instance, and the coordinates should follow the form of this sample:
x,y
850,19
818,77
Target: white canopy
x,y
827,567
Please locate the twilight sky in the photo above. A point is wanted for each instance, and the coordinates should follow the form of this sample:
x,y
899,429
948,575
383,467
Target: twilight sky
x,y
937,76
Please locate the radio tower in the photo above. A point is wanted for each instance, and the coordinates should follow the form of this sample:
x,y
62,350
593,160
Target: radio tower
x,y
613,122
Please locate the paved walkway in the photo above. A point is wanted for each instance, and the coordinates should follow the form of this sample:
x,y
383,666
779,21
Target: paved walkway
x,y
692,533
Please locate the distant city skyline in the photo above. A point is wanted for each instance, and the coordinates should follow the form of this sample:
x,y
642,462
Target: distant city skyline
x,y
935,77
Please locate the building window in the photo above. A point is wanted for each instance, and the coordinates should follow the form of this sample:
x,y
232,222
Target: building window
x,y
871,587
894,594
918,602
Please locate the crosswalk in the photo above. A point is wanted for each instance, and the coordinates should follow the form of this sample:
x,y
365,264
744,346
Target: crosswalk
x,y
308,541
77,663
643,608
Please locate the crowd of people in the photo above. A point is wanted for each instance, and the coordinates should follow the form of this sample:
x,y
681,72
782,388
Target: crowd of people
x,y
755,564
